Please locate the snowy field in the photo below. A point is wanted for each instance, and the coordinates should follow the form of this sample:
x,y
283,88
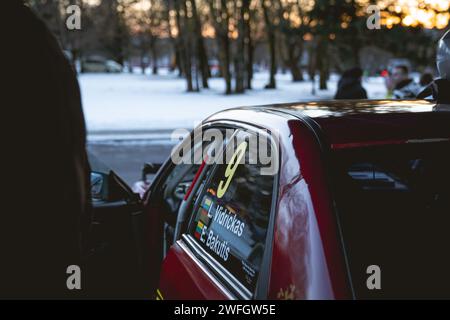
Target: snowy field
x,y
131,104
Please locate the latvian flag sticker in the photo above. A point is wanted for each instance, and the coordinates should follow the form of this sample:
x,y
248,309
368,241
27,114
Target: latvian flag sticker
x,y
204,216
198,230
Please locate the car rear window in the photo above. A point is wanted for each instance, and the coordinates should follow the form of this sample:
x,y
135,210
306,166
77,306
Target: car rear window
x,y
231,218
393,204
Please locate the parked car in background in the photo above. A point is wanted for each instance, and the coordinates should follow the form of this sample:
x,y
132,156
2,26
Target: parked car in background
x,y
99,64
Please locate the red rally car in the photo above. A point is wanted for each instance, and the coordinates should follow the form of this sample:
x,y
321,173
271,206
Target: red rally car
x,y
358,206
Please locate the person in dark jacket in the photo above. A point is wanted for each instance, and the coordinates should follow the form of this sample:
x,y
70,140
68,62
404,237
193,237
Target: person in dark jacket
x,y
349,86
425,79
439,89
45,194
404,86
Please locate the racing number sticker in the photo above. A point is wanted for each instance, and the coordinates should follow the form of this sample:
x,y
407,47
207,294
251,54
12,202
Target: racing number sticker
x,y
231,169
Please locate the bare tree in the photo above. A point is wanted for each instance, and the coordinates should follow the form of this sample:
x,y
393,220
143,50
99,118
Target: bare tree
x,y
175,60
185,43
202,58
239,56
322,61
221,19
248,42
268,7
292,35
180,43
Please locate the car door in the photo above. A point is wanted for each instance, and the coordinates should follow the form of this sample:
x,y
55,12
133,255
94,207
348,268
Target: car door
x,y
112,261
165,198
225,247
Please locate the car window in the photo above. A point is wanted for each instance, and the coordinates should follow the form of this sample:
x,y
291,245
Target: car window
x,y
187,163
393,204
172,189
230,218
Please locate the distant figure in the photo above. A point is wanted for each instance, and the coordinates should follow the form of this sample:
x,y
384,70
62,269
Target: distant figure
x,y
388,83
404,86
439,89
349,86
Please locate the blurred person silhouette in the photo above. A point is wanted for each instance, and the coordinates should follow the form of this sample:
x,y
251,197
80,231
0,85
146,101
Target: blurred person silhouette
x,y
388,83
46,198
425,79
349,86
439,89
403,86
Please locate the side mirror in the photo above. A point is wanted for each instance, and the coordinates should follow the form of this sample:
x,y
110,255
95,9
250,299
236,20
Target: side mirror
x,y
149,168
98,187
109,187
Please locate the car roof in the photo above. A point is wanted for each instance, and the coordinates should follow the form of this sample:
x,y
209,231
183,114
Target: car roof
x,y
351,123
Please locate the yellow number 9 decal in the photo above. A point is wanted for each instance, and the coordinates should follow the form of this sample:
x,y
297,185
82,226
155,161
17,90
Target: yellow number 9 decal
x,y
231,169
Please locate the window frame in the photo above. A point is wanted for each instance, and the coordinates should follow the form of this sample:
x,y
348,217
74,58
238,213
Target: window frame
x,y
168,166
219,272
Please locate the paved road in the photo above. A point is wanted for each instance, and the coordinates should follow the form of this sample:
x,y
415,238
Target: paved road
x,y
127,157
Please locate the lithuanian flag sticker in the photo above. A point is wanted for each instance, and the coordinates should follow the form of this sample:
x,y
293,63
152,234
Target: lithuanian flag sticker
x,y
198,230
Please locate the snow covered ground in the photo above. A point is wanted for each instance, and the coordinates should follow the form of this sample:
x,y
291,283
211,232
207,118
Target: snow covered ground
x,y
132,104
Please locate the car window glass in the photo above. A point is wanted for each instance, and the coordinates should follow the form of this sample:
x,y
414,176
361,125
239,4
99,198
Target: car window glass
x,y
179,180
393,204
231,217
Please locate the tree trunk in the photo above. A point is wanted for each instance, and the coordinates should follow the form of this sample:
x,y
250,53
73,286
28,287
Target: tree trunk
x,y
178,60
206,73
323,79
226,47
225,54
239,58
118,33
322,64
249,61
271,40
239,70
292,41
143,65
183,41
293,66
188,65
154,56
220,21
202,58
173,41
273,63
248,44
296,72
203,62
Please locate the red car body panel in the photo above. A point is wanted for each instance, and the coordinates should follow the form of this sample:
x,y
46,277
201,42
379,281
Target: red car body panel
x,y
307,259
312,227
183,278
